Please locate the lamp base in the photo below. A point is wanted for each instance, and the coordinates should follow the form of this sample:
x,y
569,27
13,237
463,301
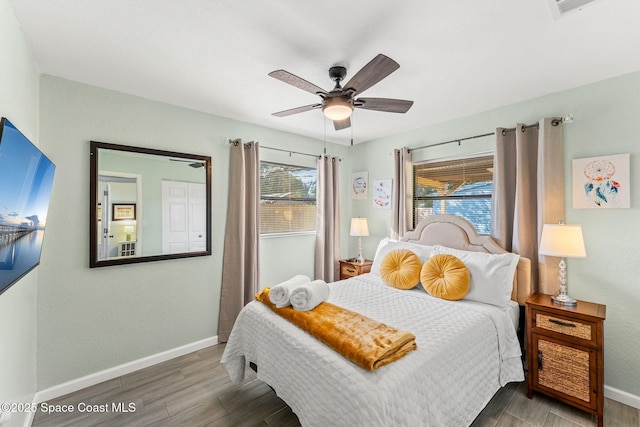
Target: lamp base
x,y
563,299
360,258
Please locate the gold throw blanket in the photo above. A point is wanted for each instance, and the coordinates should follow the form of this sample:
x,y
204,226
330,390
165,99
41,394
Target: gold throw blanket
x,y
362,340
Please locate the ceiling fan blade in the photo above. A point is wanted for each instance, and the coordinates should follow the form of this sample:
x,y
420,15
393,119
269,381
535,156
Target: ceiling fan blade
x,y
384,104
342,124
377,69
297,110
296,81
192,163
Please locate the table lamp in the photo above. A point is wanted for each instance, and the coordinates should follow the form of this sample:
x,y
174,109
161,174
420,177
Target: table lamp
x,y
564,241
359,227
128,229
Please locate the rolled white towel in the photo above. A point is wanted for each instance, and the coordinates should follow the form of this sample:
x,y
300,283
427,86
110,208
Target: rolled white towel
x,y
280,293
307,297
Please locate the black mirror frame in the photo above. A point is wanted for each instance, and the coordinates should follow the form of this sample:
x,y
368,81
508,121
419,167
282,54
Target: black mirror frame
x,y
93,202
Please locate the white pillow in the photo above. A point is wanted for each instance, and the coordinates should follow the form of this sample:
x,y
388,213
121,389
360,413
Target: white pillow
x,y
423,252
382,244
491,274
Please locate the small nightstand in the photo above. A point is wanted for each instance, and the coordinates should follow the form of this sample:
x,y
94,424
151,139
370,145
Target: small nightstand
x,y
127,248
350,268
565,352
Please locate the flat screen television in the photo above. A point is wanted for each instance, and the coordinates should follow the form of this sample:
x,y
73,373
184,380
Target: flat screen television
x,y
26,178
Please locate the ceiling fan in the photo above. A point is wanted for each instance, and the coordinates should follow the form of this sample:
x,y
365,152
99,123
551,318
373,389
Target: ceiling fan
x,y
193,164
339,103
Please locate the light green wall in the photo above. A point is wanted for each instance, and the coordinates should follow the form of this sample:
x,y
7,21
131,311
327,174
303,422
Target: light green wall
x,y
606,122
94,319
19,82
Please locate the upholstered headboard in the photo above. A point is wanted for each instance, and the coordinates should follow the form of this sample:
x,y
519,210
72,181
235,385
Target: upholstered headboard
x,y
456,232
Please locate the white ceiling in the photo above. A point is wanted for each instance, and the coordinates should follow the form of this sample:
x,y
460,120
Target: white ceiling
x,y
456,57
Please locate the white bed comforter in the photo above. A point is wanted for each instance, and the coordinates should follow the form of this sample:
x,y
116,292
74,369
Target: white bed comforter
x,y
466,352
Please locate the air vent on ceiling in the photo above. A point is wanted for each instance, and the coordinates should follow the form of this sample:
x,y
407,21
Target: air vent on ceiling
x,y
561,7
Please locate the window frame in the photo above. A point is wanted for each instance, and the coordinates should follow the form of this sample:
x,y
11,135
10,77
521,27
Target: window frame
x,y
416,198
272,234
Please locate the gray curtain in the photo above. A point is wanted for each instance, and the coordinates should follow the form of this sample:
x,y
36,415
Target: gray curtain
x,y
402,194
327,219
529,191
242,235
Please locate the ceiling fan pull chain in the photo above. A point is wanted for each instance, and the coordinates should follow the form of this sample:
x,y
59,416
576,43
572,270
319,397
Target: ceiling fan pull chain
x,y
352,132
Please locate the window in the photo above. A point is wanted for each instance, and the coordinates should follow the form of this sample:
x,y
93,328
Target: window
x,y
461,187
287,198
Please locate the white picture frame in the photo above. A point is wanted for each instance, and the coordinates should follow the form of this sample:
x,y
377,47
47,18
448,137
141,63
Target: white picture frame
x,y
601,182
382,191
360,185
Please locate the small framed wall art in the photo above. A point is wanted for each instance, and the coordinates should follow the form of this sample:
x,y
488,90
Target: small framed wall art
x,y
123,211
359,185
382,193
601,182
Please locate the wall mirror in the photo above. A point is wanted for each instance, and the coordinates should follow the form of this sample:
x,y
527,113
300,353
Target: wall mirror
x,y
148,205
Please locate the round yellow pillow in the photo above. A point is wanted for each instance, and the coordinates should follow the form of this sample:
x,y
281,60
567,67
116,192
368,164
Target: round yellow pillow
x,y
446,277
400,268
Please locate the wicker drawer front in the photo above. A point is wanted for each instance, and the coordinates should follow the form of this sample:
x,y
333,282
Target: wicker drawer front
x,y
348,270
564,326
565,369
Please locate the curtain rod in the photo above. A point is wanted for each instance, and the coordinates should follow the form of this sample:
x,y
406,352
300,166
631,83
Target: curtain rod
x,y
452,141
238,141
555,121
291,152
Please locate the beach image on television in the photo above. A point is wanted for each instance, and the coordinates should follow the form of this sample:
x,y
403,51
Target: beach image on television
x,y
26,178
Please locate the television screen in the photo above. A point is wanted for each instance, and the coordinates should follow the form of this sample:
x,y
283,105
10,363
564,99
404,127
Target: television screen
x,y
26,178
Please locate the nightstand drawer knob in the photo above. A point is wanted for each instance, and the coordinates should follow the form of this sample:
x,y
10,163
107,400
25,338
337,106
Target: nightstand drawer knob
x,y
561,323
350,270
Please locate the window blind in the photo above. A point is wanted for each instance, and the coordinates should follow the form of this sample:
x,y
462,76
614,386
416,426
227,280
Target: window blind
x,y
287,198
460,186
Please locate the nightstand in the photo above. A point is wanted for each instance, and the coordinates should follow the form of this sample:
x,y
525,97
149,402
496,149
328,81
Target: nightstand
x,y
565,352
127,248
349,268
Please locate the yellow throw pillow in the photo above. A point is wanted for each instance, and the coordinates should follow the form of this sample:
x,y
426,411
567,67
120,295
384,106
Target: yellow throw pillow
x,y
446,277
400,268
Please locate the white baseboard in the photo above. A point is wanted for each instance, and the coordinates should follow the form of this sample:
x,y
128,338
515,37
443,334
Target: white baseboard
x,y
116,371
622,396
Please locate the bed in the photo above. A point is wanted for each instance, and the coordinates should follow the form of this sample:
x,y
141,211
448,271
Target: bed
x,y
466,350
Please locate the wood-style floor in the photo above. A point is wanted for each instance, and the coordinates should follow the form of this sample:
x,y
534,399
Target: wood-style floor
x,y
194,390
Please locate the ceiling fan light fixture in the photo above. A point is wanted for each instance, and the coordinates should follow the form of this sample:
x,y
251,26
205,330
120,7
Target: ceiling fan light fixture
x,y
337,108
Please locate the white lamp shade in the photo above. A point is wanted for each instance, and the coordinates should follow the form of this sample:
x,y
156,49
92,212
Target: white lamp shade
x,y
128,229
359,227
562,240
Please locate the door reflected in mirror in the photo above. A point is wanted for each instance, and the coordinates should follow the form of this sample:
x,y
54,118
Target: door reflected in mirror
x,y
148,205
